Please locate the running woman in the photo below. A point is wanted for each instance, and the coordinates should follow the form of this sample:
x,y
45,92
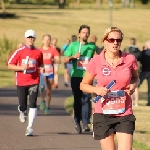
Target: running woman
x,y
113,112
26,62
50,55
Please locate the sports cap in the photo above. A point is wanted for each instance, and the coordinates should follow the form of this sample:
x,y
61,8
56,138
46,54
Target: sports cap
x,y
30,33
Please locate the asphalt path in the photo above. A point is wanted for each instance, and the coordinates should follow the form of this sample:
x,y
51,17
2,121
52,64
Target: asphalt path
x,y
53,132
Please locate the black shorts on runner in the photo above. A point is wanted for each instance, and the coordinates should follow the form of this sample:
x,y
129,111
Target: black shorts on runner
x,y
104,125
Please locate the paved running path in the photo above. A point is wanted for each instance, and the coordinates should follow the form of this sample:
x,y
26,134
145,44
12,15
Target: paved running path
x,y
54,132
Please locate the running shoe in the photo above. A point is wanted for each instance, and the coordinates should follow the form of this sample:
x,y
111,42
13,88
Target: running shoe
x,y
55,86
29,132
85,128
42,105
22,116
66,84
77,128
47,111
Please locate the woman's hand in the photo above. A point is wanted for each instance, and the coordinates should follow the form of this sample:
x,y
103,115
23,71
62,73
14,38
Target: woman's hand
x,y
130,89
102,91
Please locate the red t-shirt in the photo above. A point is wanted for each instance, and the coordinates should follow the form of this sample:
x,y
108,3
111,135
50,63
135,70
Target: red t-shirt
x,y
49,55
105,73
48,60
35,61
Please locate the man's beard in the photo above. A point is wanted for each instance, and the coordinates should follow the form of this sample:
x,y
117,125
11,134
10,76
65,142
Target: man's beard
x,y
85,39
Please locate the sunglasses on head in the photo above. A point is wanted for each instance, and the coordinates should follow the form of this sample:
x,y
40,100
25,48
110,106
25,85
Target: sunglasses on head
x,y
113,40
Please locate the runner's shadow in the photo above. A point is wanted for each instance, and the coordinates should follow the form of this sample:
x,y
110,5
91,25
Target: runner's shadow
x,y
66,133
142,132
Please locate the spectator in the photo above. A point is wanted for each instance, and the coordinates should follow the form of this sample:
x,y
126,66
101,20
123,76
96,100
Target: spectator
x,y
73,38
145,70
134,50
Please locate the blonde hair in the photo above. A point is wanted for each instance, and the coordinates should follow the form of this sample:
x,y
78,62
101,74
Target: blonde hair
x,y
111,29
46,35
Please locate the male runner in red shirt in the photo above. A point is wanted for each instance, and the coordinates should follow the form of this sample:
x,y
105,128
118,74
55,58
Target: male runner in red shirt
x,y
27,62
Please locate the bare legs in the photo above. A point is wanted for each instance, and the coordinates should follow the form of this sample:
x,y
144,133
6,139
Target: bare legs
x,y
124,142
56,67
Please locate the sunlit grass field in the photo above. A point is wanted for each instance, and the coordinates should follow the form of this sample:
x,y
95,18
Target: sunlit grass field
x,y
63,23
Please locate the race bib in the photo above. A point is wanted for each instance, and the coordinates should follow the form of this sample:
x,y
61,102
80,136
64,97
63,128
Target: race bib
x,y
82,62
114,102
31,65
48,70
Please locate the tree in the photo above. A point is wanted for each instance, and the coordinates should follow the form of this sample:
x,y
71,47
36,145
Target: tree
x,y
3,5
98,3
78,2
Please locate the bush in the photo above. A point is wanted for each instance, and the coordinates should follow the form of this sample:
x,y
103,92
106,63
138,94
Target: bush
x,y
144,1
6,48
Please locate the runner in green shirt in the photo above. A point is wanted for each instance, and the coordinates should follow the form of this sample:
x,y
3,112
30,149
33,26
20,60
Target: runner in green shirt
x,y
80,53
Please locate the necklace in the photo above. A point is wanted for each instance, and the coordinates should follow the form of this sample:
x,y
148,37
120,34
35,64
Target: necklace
x,y
112,62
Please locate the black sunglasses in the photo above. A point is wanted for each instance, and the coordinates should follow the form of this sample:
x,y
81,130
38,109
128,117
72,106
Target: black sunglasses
x,y
113,40
30,37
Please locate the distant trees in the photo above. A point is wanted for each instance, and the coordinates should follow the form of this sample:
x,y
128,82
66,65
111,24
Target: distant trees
x,y
3,5
128,3
144,1
63,3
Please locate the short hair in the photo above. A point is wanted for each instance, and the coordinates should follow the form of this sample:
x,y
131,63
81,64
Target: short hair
x,y
109,30
133,41
73,38
84,26
93,38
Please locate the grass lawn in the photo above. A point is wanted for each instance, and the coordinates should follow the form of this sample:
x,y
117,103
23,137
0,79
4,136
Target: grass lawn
x,y
63,23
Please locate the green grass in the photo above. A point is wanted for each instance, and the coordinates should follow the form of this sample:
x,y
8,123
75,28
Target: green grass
x,y
140,146
69,105
6,76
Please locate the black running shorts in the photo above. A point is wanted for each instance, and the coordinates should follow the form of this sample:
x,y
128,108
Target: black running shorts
x,y
104,125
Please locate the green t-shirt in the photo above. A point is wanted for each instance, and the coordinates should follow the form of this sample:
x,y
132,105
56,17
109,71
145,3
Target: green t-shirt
x,y
86,53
